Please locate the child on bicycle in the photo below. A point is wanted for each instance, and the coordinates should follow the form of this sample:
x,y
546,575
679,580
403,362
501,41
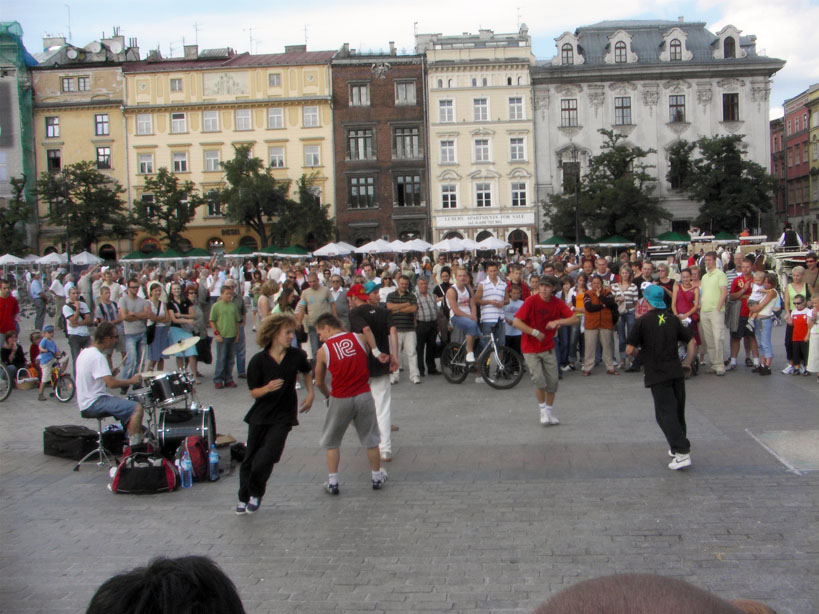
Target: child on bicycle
x,y
49,354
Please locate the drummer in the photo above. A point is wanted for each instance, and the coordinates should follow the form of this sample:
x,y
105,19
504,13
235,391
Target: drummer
x,y
94,379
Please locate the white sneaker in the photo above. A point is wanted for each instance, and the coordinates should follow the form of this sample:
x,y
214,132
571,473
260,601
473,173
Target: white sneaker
x,y
298,385
479,380
681,461
788,370
547,418
470,357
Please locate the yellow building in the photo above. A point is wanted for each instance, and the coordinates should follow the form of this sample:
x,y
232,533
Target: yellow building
x,y
188,114
481,133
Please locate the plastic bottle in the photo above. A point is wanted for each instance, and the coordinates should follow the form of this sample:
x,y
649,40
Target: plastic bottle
x,y
213,464
186,472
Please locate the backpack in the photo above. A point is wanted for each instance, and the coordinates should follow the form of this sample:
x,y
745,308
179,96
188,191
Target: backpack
x,y
197,449
144,473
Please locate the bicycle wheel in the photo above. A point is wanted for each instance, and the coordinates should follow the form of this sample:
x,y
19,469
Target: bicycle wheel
x,y
5,383
503,371
64,390
453,363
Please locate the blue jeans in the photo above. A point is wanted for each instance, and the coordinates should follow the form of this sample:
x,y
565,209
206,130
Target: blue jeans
x,y
135,344
562,340
225,355
499,328
762,330
470,327
624,325
313,338
575,341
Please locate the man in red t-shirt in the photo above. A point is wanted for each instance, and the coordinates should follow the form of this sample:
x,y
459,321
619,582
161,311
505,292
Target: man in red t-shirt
x,y
8,309
740,291
539,318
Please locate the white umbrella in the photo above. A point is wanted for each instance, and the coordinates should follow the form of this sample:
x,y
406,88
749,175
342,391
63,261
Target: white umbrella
x,y
11,259
379,246
493,243
52,258
398,246
449,245
470,244
85,258
31,258
332,249
350,248
418,245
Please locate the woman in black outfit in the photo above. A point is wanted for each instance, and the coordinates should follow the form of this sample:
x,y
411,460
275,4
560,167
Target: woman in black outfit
x,y
271,377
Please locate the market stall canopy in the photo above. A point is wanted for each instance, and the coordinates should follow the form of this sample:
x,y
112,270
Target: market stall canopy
x,y
555,241
470,244
379,246
399,247
332,249
31,258
346,246
11,259
675,238
724,237
449,245
136,256
197,252
493,243
85,258
418,245
294,251
242,250
270,250
615,241
52,258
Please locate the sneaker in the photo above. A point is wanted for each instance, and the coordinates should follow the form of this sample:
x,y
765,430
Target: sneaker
x,y
230,385
253,505
298,385
565,368
805,371
377,484
332,489
417,380
241,508
681,461
749,362
764,370
788,370
756,369
41,397
218,385
547,418
470,357
670,453
479,380
730,366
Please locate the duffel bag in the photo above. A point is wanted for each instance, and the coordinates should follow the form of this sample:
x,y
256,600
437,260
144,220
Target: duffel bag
x,y
69,441
144,473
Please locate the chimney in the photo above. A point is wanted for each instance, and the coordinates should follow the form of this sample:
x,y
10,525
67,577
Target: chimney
x,y
53,41
191,52
295,48
392,48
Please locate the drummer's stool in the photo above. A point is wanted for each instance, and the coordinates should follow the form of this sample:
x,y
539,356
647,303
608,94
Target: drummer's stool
x,y
104,457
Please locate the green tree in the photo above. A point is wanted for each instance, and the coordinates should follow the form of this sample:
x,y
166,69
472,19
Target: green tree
x,y
303,217
172,209
84,204
680,164
733,190
13,218
253,196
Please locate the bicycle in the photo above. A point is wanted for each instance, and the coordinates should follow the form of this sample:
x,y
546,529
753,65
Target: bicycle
x,y
500,366
61,383
5,383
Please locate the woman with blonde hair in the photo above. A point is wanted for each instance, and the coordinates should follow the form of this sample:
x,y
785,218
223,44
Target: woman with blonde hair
x,y
266,303
271,376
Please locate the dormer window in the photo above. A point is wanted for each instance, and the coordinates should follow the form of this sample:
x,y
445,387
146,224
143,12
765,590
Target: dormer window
x,y
569,51
676,50
619,49
729,47
567,54
620,53
726,45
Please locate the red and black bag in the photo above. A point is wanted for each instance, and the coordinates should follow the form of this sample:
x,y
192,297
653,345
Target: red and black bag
x,y
144,473
197,450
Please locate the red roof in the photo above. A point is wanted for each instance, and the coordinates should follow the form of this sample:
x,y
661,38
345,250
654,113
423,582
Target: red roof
x,y
295,58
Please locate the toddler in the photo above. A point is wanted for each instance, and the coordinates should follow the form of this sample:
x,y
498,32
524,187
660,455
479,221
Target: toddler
x,y
758,292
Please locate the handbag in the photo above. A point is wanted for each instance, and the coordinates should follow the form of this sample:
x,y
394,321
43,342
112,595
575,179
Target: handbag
x,y
150,327
203,351
301,334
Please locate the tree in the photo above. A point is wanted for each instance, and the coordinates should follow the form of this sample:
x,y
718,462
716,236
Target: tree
x,y
13,217
303,217
253,197
172,209
614,196
84,204
733,191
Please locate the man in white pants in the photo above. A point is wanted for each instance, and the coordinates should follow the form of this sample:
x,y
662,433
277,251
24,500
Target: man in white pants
x,y
714,288
403,305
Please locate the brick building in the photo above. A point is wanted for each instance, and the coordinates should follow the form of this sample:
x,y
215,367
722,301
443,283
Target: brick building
x,y
779,168
797,154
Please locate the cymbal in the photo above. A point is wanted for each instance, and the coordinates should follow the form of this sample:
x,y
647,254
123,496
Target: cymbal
x,y
151,374
180,346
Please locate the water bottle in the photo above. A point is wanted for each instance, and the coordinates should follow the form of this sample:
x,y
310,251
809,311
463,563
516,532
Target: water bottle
x,y
186,472
213,464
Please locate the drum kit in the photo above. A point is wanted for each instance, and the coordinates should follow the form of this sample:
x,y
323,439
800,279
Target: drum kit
x,y
171,405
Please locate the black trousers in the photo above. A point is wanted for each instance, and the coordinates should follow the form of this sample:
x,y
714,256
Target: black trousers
x,y
425,334
789,342
669,410
265,444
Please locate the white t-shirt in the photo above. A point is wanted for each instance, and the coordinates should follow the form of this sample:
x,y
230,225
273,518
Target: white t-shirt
x,y
92,367
68,312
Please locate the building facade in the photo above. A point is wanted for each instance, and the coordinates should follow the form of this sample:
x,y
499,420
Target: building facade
x,y
779,169
797,124
380,146
481,136
188,114
655,82
813,108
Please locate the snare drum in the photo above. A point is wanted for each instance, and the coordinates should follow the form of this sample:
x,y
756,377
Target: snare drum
x,y
141,396
176,424
170,388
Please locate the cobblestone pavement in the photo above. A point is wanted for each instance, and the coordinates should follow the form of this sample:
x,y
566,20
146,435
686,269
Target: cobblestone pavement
x,y
485,510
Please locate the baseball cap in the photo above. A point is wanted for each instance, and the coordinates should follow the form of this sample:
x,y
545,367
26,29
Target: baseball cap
x,y
357,291
655,296
48,328
370,287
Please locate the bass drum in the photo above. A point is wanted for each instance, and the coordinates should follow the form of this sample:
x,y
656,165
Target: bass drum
x,y
176,424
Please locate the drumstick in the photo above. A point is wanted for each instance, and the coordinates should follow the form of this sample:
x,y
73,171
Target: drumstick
x,y
119,368
141,360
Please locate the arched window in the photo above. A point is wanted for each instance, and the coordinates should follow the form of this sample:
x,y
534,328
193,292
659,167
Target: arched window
x,y
216,246
567,54
620,53
676,50
440,83
520,80
729,47
509,80
474,82
248,241
449,83
453,234
483,234
107,252
484,82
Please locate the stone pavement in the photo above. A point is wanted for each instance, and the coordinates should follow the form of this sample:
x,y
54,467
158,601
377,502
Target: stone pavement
x,y
486,511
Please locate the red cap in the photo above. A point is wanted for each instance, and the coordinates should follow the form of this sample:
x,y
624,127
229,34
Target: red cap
x,y
357,291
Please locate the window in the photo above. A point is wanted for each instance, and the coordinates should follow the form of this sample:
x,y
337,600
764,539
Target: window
x,y
675,49
676,108
361,192
407,143
440,83
622,111
405,92
805,121
796,158
516,108
796,124
180,162
517,149
311,117
360,95
276,157
483,195
176,85
789,127
53,160
243,120
103,157
408,190
480,109
212,160
214,206
275,118
144,123
83,84
567,54
482,150
101,125
484,82
146,164
449,196
816,154
210,121
312,155
52,127
518,194
274,79
68,84
568,112
729,47
4,172
448,152
730,107
360,144
790,157
148,199
446,111
620,53
178,123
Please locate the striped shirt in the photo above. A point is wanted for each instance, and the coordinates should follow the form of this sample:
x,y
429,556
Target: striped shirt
x,y
427,307
630,295
404,320
492,292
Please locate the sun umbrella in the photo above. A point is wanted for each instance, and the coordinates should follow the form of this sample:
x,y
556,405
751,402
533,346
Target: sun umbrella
x,y
294,251
493,243
418,245
242,250
347,246
555,241
11,259
379,246
449,245
332,249
270,250
85,258
724,237
398,246
470,244
673,238
52,258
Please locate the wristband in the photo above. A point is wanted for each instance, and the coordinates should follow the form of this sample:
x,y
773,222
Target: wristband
x,y
535,332
376,352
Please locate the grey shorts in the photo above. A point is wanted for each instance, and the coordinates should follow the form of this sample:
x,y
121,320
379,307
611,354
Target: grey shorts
x,y
360,410
543,369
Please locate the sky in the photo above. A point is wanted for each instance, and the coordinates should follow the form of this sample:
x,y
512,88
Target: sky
x,y
783,27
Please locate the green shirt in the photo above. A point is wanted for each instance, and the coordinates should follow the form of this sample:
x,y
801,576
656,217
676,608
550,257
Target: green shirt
x,y
711,286
403,320
226,317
